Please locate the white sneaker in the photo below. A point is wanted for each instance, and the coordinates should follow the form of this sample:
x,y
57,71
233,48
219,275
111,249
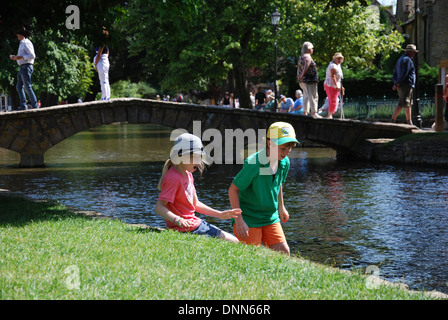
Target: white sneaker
x,y
316,116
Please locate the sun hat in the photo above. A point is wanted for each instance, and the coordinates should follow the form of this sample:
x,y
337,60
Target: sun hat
x,y
338,55
281,133
411,47
187,143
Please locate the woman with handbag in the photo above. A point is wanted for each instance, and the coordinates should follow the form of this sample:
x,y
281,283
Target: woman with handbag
x,y
308,79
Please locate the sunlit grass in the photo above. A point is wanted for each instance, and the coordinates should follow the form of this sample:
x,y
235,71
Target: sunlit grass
x,y
48,252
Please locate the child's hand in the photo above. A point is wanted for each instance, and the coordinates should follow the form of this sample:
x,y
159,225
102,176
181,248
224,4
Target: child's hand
x,y
242,230
184,223
230,214
284,215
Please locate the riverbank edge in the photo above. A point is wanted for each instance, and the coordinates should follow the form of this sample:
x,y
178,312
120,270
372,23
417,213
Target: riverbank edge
x,y
422,148
375,280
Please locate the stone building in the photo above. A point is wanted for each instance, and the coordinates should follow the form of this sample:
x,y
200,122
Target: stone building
x,y
432,26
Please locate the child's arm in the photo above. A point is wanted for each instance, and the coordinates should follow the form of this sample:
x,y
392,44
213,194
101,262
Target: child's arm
x,y
162,210
284,215
204,209
241,227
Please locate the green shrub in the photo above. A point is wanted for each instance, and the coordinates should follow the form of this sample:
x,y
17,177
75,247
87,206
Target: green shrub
x,y
128,89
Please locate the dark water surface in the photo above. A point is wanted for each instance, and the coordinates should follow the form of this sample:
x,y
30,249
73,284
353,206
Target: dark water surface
x,y
349,215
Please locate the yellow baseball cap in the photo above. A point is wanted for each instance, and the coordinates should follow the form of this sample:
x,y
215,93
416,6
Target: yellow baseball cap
x,y
281,133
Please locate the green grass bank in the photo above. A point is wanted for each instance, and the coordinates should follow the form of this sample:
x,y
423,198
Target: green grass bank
x,y
50,252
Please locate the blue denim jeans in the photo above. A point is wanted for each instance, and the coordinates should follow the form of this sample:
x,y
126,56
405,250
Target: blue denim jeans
x,y
207,229
24,85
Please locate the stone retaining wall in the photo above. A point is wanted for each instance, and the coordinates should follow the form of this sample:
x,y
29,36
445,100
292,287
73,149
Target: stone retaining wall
x,y
418,151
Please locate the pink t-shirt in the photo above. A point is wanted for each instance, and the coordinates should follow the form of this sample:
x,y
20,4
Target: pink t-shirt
x,y
179,191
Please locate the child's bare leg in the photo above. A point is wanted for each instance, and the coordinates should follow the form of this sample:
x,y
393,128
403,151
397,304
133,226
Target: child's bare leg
x,y
281,247
227,236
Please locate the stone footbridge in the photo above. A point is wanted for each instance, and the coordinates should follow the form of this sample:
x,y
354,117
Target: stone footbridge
x,y
31,133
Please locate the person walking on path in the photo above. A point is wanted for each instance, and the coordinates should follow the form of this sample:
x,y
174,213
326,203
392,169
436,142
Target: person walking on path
x,y
308,79
333,83
404,82
257,190
178,202
25,59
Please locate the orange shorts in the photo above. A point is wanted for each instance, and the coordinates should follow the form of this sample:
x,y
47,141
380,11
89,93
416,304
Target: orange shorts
x,y
266,235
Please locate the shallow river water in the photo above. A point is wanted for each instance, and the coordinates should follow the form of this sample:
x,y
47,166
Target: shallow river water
x,y
348,215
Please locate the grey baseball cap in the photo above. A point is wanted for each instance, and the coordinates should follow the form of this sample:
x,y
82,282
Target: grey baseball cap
x,y
187,143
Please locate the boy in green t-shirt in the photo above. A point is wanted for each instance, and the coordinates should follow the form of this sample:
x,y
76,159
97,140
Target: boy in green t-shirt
x,y
257,190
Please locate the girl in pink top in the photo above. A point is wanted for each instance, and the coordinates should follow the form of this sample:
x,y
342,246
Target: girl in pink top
x,y
178,202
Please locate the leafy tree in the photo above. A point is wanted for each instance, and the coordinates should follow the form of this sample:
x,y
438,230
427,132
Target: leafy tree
x,y
350,29
366,39
198,44
62,67
67,69
128,89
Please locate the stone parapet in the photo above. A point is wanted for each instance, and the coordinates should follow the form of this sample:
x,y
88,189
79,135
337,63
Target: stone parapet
x,y
31,133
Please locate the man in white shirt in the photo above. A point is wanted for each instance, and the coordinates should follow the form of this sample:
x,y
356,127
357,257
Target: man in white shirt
x,y
25,59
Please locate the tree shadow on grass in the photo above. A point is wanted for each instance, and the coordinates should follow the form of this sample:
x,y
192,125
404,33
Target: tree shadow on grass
x,y
16,211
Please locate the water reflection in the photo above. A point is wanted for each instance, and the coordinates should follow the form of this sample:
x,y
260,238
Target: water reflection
x,y
347,215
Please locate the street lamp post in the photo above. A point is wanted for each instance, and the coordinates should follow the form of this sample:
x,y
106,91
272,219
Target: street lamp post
x,y
275,20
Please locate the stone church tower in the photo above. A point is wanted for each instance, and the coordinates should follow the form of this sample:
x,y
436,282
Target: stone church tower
x,y
432,25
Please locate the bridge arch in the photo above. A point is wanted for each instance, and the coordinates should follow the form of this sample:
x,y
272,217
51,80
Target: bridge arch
x,y
31,133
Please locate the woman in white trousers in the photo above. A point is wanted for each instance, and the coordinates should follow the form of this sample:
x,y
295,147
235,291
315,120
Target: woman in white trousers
x,y
102,66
